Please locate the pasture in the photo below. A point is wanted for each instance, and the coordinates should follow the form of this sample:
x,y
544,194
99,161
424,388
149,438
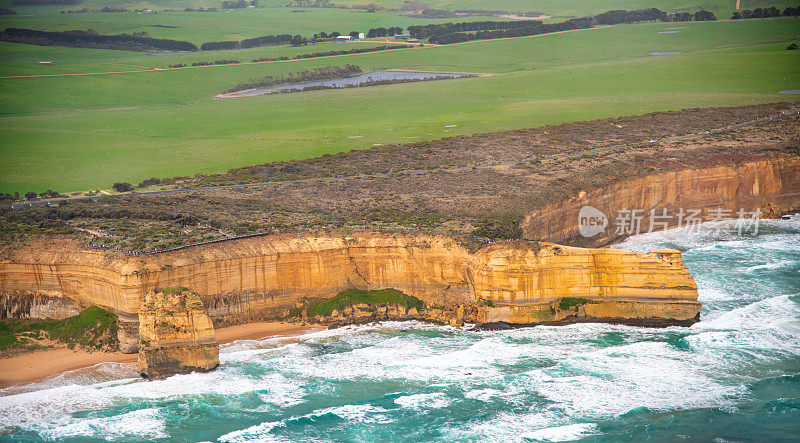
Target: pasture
x,y
201,27
84,132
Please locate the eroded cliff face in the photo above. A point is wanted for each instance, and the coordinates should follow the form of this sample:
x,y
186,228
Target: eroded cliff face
x,y
264,277
176,335
769,185
258,278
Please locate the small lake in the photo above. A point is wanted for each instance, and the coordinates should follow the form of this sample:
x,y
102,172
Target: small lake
x,y
356,80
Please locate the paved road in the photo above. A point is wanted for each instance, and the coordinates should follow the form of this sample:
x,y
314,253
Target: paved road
x,y
422,171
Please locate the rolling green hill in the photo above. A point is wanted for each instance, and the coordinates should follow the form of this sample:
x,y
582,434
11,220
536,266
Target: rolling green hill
x,y
83,132
583,7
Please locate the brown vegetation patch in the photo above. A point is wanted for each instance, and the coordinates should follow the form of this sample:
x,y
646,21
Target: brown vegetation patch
x,y
469,188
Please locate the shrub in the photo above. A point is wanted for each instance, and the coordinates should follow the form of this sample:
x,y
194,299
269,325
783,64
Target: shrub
x,y
123,187
568,302
93,327
149,182
357,296
49,194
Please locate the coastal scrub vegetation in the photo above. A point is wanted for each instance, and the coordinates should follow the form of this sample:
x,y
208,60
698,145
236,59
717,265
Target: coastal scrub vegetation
x,y
351,297
567,302
93,328
452,187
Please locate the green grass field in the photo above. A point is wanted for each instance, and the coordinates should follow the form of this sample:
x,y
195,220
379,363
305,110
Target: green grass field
x,y
200,27
724,8
583,7
84,132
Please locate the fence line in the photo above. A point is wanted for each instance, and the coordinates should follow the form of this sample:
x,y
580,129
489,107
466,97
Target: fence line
x,y
131,253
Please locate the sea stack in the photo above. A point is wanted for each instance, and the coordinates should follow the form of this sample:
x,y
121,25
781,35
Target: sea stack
x,y
176,334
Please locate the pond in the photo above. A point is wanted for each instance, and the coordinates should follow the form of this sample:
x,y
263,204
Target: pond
x,y
367,79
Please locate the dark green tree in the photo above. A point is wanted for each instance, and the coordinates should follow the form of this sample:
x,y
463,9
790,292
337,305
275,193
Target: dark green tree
x,y
123,187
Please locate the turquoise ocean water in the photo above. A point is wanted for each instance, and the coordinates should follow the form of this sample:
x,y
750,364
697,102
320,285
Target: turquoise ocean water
x,y
733,376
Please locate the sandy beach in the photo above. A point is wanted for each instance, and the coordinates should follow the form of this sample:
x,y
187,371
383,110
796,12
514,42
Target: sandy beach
x,y
32,366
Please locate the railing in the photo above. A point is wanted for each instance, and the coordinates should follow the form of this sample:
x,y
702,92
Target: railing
x,y
131,253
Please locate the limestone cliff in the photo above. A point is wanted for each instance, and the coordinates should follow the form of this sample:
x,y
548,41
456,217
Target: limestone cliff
x,y
769,185
176,335
264,277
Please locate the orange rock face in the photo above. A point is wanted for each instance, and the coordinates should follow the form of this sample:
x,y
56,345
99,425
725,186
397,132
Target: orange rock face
x,y
264,277
526,285
770,185
176,335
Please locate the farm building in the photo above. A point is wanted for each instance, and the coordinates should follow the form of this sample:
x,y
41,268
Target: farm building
x,y
343,38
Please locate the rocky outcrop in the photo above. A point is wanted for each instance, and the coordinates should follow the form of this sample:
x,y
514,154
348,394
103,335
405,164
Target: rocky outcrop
x,y
128,333
264,277
175,334
771,186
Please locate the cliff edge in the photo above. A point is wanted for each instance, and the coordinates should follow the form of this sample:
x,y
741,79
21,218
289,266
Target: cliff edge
x,y
266,277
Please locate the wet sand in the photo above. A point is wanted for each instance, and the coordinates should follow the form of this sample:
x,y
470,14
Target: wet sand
x,y
32,366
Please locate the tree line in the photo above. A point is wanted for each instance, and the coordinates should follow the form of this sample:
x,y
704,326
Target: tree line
x,y
766,13
264,40
214,63
532,29
30,196
426,31
44,2
618,16
91,39
310,75
87,10
455,32
267,40
238,4
384,32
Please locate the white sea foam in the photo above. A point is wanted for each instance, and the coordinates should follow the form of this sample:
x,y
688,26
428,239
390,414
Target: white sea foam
x,y
772,266
253,434
504,427
486,394
611,381
424,401
355,413
51,408
559,379
143,423
564,433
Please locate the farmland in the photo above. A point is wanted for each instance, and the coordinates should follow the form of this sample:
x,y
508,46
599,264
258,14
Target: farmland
x,y
200,27
88,131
